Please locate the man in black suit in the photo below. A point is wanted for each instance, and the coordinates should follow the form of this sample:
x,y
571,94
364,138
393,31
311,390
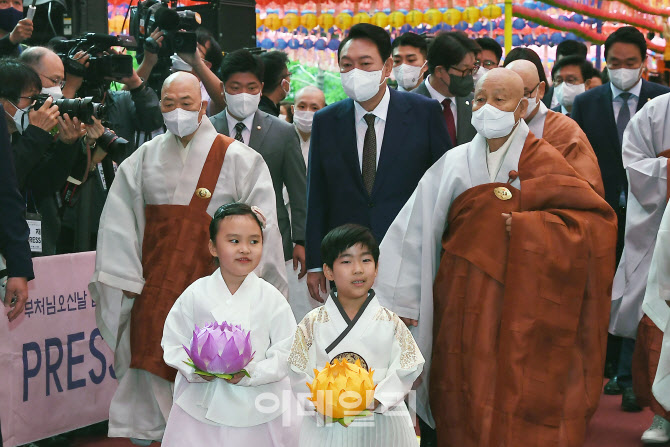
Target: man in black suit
x,y
566,48
13,230
276,81
451,64
368,152
603,113
571,77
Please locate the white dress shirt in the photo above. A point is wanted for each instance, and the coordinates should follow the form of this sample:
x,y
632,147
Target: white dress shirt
x,y
494,160
248,123
440,97
380,113
617,101
304,145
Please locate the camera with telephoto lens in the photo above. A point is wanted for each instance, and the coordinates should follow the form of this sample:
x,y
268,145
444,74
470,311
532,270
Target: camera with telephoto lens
x,y
178,26
82,108
111,143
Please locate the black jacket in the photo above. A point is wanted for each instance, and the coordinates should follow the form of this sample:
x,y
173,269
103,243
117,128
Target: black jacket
x,y
266,105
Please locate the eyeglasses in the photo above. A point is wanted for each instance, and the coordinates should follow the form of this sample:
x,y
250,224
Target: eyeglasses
x,y
527,95
55,82
467,71
486,64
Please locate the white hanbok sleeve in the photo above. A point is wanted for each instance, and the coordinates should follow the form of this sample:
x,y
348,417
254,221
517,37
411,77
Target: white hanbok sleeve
x,y
406,366
274,366
177,333
302,361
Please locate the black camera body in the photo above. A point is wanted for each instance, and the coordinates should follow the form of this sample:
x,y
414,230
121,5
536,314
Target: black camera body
x,y
82,108
178,26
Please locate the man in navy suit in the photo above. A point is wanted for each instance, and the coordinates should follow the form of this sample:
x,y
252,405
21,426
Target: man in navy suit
x,y
603,113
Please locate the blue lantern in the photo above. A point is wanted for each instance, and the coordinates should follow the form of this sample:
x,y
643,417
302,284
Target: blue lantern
x,y
501,24
528,39
500,40
446,27
294,44
530,5
542,39
516,41
307,44
564,18
577,18
334,44
440,27
571,36
477,27
543,6
519,24
267,43
555,38
302,30
532,24
281,44
320,44
461,26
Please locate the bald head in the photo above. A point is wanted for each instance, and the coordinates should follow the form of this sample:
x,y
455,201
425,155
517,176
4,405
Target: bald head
x,y
503,89
527,70
46,63
310,98
181,84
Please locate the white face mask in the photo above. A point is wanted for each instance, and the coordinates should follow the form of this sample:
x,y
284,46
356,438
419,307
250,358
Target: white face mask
x,y
242,105
566,93
625,78
480,74
285,82
303,120
491,122
408,75
361,85
533,103
182,122
55,92
20,118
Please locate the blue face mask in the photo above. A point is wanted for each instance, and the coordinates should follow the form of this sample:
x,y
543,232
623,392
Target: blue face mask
x,y
9,17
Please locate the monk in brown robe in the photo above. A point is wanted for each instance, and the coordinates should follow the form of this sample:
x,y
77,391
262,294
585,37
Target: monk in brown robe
x,y
502,262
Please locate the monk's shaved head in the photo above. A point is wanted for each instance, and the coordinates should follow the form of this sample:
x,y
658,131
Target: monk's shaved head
x,y
527,70
182,84
503,80
503,89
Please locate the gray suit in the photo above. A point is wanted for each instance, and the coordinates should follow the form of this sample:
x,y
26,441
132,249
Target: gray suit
x,y
277,141
465,132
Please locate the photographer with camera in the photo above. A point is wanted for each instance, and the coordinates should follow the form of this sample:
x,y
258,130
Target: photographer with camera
x,y
132,115
14,29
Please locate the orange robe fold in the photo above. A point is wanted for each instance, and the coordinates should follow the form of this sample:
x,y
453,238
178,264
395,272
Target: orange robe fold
x,y
521,320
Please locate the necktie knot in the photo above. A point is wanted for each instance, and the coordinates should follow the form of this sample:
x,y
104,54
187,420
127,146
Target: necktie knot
x,y
446,102
240,127
625,96
369,118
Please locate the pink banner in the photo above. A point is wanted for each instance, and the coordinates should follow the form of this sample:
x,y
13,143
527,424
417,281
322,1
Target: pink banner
x,y
56,369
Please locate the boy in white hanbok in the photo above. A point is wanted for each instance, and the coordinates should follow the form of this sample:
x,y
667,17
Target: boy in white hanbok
x,y
214,411
352,325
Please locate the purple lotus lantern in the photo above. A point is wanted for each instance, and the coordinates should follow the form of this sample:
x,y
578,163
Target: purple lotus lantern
x,y
220,350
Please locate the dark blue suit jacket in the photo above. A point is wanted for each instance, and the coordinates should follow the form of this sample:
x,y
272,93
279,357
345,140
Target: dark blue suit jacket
x,y
13,227
415,136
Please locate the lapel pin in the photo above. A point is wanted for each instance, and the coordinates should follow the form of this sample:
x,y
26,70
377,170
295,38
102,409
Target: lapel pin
x,y
258,127
467,103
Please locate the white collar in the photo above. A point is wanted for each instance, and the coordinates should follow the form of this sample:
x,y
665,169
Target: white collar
x,y
634,90
435,94
380,111
248,121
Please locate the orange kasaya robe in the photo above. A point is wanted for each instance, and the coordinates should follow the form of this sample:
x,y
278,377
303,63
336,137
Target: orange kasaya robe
x,y
565,135
520,319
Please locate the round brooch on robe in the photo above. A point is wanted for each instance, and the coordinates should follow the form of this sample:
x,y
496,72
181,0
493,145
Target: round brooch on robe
x,y
502,193
203,193
351,357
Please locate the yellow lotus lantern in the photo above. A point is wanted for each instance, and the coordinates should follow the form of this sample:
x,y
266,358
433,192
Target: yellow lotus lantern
x,y
342,390
273,22
380,19
432,17
343,21
362,17
471,14
326,21
308,20
452,16
291,21
397,19
259,21
414,18
491,11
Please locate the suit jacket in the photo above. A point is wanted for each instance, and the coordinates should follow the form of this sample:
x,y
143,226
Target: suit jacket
x,y
557,109
277,141
548,95
465,132
415,136
594,113
13,227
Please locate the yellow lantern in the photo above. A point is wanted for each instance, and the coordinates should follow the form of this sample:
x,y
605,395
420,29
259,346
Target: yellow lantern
x,y
471,14
491,11
397,19
259,21
432,17
291,21
273,22
452,16
343,21
380,19
308,21
326,21
362,17
414,18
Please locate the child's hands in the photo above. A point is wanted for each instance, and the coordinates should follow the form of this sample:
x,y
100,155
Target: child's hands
x,y
235,379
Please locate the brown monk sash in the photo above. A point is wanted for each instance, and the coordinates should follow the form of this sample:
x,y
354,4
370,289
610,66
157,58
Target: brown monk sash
x,y
174,254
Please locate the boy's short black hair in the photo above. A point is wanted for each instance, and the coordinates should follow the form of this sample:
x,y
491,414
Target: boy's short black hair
x,y
241,61
373,33
411,39
526,54
15,78
486,43
231,209
448,49
339,239
584,66
275,63
571,48
627,34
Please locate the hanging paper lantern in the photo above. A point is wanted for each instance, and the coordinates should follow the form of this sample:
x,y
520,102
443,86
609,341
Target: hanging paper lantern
x,y
334,44
281,44
302,30
291,21
542,39
432,17
477,27
543,6
564,18
267,43
397,19
309,21
519,24
516,41
528,39
461,26
326,21
577,18
501,25
308,44
343,21
294,44
320,44
405,29
259,21
530,5
451,16
361,17
273,22
471,15
556,38
414,17
571,36
380,19
500,40
532,24
491,12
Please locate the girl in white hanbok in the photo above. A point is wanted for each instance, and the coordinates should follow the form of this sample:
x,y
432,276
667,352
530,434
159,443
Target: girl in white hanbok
x,y
353,325
243,410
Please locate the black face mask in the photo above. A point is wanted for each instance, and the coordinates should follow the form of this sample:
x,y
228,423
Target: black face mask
x,y
9,17
460,86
